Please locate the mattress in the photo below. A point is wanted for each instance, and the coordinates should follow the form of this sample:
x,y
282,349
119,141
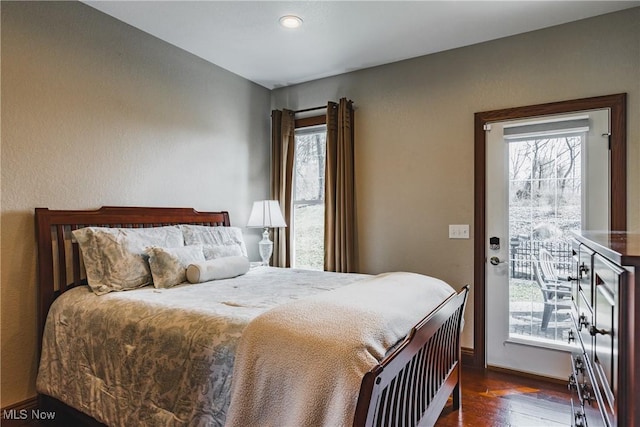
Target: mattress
x,y
161,357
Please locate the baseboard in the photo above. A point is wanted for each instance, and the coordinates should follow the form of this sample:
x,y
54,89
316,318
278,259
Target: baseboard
x,y
467,356
527,375
21,413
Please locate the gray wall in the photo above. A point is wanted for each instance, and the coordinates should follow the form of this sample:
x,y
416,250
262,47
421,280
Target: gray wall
x,y
414,132
95,112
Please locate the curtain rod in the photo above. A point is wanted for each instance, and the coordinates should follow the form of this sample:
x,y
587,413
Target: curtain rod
x,y
323,107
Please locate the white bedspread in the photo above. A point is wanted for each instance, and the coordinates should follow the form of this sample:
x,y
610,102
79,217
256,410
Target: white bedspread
x,y
301,364
161,357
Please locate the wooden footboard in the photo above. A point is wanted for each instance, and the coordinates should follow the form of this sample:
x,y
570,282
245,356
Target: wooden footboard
x,y
411,386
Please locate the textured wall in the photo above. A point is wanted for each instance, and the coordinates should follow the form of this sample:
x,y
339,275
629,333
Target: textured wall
x,y
414,132
95,112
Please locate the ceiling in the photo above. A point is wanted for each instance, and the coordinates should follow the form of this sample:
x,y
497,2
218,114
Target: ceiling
x,y
245,38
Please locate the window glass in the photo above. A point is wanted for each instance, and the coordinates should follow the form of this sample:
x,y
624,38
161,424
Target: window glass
x,y
308,198
545,199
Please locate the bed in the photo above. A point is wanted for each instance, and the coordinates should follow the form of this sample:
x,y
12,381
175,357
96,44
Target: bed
x,y
409,383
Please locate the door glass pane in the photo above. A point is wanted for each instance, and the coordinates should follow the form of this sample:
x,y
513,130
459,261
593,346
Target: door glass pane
x,y
544,206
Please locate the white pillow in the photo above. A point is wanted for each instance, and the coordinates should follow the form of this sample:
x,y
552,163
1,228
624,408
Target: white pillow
x,y
215,269
205,235
169,265
221,251
114,258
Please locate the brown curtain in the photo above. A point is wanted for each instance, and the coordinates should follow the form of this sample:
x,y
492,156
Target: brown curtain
x,y
282,156
339,218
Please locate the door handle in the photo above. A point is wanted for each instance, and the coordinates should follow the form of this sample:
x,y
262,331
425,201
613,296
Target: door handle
x,y
593,331
494,260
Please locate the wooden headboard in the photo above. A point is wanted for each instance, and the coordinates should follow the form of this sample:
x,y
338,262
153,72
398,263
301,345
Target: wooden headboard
x,y
59,261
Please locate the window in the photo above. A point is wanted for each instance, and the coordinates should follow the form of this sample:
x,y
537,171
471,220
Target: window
x,y
545,191
545,204
307,215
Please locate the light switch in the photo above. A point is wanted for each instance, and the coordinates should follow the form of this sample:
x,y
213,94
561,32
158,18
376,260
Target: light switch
x,y
458,231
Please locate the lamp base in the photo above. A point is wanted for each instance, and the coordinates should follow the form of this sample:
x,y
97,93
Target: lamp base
x,y
265,247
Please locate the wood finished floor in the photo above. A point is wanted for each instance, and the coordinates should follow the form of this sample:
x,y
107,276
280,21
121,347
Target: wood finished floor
x,y
496,399
500,399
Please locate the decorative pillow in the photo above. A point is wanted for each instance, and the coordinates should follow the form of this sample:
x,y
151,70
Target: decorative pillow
x,y
169,265
221,251
215,269
205,235
114,258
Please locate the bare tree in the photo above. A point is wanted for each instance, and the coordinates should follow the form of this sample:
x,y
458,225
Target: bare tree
x,y
310,166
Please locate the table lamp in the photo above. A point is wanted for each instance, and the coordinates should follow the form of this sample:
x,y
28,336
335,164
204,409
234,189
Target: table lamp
x,y
266,214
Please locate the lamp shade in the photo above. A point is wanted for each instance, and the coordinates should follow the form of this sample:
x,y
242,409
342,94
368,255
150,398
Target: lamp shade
x,y
266,213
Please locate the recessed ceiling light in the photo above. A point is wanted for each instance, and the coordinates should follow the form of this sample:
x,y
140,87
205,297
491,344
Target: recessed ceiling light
x,y
291,21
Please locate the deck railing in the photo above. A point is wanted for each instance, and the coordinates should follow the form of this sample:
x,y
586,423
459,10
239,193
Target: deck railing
x,y
524,251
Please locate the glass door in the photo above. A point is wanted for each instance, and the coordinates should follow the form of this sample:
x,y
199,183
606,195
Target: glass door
x,y
538,191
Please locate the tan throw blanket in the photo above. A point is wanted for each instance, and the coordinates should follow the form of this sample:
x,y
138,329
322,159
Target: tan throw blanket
x,y
301,364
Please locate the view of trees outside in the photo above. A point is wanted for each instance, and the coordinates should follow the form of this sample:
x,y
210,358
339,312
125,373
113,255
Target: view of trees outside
x,y
544,205
308,200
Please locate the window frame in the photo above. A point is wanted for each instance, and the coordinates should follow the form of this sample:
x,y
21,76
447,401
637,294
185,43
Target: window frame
x,y
302,123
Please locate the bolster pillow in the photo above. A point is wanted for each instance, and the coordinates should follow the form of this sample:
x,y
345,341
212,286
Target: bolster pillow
x,y
219,268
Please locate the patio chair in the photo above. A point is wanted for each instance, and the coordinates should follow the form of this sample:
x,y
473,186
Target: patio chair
x,y
556,291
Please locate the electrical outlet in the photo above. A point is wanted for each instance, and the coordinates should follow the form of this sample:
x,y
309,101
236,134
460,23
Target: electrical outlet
x,y
458,231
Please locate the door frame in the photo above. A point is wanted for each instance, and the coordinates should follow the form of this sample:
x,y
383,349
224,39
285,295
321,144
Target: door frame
x,y
617,103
